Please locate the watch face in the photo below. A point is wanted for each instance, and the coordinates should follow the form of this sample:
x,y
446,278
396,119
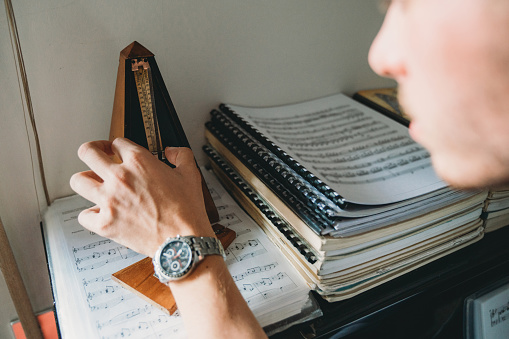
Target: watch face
x,y
176,258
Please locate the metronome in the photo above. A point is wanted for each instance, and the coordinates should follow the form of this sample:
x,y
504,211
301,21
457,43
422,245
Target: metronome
x,y
144,113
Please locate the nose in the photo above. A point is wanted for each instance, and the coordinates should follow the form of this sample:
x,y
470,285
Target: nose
x,y
386,56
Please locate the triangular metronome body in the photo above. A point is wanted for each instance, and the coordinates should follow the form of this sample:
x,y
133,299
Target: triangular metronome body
x,y
127,122
135,50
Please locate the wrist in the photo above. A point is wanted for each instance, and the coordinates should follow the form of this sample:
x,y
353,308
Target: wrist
x,y
171,228
210,268
178,256
197,225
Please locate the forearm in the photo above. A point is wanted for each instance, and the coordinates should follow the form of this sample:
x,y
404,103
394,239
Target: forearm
x,y
211,304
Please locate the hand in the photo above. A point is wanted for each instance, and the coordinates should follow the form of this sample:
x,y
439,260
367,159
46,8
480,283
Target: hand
x,y
140,201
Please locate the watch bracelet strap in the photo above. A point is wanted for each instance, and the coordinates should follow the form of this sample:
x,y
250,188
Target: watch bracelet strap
x,y
207,246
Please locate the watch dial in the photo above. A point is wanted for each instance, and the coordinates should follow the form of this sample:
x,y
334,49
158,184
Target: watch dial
x,y
176,258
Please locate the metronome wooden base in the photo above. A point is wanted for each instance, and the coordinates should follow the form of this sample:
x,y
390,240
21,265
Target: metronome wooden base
x,y
139,277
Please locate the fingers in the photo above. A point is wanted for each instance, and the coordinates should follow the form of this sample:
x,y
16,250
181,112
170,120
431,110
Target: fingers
x,y
88,185
88,218
180,156
100,155
97,155
121,147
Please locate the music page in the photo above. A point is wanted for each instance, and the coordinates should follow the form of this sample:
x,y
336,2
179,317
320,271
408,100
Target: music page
x,y
364,156
90,304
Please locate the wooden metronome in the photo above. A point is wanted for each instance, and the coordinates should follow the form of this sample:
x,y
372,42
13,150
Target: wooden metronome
x,y
144,113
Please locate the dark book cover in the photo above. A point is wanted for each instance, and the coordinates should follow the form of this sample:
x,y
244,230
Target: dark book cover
x,y
385,101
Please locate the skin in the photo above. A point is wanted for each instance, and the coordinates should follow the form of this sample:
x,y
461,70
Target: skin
x,y
451,62
139,203
448,58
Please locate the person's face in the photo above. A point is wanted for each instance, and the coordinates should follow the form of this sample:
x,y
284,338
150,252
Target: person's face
x,y
451,61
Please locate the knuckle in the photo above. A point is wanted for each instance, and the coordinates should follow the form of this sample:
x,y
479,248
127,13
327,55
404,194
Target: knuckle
x,y
105,228
122,175
137,156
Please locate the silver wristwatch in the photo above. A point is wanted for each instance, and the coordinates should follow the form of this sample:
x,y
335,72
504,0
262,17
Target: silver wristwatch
x,y
177,257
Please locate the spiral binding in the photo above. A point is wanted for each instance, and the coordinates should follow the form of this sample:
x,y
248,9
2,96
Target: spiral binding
x,y
331,194
314,218
321,204
283,227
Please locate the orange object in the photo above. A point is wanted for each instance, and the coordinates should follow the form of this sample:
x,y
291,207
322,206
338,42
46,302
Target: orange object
x,y
46,321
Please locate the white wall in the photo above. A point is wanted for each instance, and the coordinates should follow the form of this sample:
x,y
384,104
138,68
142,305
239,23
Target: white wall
x,y
245,52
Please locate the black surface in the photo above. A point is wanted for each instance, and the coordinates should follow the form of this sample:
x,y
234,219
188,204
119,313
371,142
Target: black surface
x,y
172,133
425,303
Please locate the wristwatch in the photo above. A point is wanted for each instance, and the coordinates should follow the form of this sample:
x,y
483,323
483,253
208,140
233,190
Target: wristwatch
x,y
177,257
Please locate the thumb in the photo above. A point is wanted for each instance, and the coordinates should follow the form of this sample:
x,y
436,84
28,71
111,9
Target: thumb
x,y
179,156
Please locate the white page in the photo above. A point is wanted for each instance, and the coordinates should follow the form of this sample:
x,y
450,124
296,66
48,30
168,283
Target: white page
x,y
493,311
366,157
90,305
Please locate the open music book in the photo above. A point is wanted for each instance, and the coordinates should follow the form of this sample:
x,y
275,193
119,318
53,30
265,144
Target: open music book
x,y
89,304
343,167
366,158
349,198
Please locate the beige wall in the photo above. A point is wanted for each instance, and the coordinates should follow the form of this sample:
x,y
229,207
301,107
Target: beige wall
x,y
245,52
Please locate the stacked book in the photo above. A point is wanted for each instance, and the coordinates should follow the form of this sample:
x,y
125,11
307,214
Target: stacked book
x,y
341,189
496,209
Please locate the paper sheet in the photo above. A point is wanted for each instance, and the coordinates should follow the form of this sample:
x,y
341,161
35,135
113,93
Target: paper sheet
x,y
364,156
89,304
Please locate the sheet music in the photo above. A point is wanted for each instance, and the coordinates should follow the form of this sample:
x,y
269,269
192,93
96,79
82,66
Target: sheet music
x,y
89,304
493,313
366,158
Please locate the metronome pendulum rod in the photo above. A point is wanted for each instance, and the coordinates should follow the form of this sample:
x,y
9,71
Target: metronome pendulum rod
x,y
144,86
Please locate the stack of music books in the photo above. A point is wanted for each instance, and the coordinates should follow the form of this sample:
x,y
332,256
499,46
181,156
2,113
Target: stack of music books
x,y
496,209
346,194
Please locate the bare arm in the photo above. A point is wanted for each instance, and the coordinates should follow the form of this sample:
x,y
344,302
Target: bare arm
x,y
139,203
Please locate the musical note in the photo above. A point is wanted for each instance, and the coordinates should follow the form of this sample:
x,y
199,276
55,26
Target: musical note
x,y
109,303
103,278
92,245
251,254
247,287
114,312
229,219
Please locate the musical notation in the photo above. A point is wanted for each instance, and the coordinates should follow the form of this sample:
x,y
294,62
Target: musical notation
x,y
229,219
239,251
270,293
100,279
340,143
109,304
114,312
96,259
254,270
91,245
108,290
347,146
